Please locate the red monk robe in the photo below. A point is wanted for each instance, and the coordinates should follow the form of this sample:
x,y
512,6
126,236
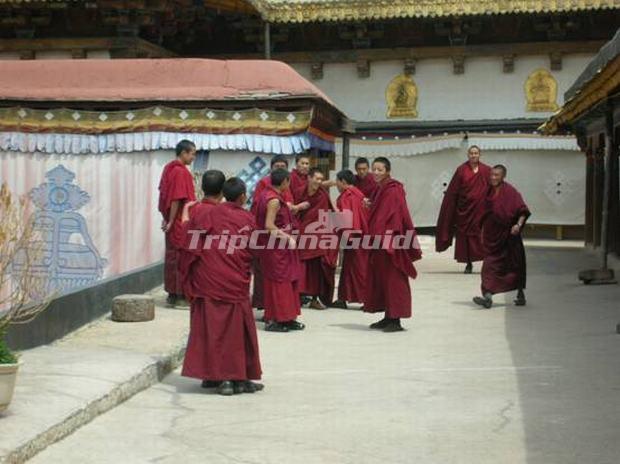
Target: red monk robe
x,y
222,343
299,184
461,211
319,265
176,184
353,275
389,269
503,268
367,185
257,291
280,268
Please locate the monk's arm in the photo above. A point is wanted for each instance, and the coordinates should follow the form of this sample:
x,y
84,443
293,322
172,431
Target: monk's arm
x,y
270,220
185,213
519,225
174,210
298,207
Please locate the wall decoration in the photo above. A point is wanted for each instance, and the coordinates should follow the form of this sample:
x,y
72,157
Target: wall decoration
x,y
402,97
256,170
541,90
66,256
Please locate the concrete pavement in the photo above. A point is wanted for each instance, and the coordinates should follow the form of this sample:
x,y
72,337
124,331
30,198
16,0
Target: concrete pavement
x,y
537,385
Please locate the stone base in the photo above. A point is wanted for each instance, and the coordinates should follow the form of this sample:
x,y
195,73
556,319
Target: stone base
x,y
133,308
597,277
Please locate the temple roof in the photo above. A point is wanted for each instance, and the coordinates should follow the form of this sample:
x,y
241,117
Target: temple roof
x,y
300,11
596,83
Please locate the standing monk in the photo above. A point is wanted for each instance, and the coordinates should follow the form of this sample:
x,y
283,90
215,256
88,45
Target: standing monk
x,y
390,266
319,263
299,175
352,283
279,259
505,213
176,187
277,162
364,180
461,210
222,343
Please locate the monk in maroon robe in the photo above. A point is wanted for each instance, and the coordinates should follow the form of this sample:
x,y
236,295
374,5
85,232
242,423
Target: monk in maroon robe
x,y
461,211
299,176
279,258
176,187
277,162
503,268
391,263
352,284
319,262
364,180
222,342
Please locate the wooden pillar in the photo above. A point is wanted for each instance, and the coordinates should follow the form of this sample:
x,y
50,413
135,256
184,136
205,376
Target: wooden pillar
x,y
607,166
589,232
267,41
345,151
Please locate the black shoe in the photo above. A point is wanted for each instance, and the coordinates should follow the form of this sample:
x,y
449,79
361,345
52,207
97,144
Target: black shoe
x,y
393,326
382,324
483,301
210,384
520,301
304,299
238,387
469,268
252,387
171,300
260,308
294,325
339,304
226,388
276,327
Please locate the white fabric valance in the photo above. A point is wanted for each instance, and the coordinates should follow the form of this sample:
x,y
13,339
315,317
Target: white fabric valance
x,y
412,146
76,144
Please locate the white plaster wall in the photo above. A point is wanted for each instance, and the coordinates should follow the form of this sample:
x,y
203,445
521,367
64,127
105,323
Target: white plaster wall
x,y
482,92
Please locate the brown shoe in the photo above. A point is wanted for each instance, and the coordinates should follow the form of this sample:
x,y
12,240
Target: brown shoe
x,y
316,304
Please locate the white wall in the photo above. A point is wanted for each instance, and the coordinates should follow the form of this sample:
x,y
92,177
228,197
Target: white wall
x,y
482,92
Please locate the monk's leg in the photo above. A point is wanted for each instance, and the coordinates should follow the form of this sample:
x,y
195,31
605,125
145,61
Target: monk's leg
x,y
257,290
313,282
172,286
282,305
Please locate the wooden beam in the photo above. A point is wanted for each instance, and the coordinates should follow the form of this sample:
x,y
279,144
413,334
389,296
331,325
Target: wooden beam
x,y
418,53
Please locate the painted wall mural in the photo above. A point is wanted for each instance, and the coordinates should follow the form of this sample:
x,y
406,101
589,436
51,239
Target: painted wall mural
x,y
67,257
255,171
541,91
402,97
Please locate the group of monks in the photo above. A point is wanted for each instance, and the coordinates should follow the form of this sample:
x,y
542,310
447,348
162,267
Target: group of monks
x,y
484,212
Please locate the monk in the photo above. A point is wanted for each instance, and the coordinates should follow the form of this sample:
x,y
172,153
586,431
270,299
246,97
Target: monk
x,y
279,258
352,284
223,342
364,180
319,262
390,266
277,162
461,211
503,268
176,187
299,175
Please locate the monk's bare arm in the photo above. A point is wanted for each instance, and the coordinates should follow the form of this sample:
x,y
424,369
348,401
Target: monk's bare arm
x,y
270,220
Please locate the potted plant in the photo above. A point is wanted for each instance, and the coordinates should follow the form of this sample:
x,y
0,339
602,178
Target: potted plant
x,y
22,296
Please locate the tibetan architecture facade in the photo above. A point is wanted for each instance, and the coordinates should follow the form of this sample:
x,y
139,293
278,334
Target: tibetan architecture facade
x,y
592,112
87,140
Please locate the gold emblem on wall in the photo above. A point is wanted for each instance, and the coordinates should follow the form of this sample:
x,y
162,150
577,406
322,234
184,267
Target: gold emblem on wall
x,y
402,97
541,91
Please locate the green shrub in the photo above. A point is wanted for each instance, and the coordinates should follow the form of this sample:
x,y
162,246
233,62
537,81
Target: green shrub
x,y
6,355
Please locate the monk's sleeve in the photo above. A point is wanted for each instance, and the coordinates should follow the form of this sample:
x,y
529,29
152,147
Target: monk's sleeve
x,y
181,186
444,232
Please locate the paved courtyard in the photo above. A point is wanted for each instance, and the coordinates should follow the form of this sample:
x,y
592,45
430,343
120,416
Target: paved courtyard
x,y
538,385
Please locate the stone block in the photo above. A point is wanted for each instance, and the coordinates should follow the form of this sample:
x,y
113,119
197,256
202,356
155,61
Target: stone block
x,y
133,308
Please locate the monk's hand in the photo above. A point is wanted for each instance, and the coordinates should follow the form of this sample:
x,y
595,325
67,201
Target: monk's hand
x,y
367,202
303,206
167,227
292,243
164,225
515,229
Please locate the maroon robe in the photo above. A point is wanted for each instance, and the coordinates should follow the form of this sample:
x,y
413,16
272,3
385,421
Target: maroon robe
x,y
503,268
367,185
222,343
280,268
176,184
389,268
461,211
319,265
354,271
299,184
287,196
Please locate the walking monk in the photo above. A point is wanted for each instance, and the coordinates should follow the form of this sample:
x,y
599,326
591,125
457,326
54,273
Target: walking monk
x,y
503,268
364,180
461,210
319,263
352,283
390,266
176,187
279,259
222,343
